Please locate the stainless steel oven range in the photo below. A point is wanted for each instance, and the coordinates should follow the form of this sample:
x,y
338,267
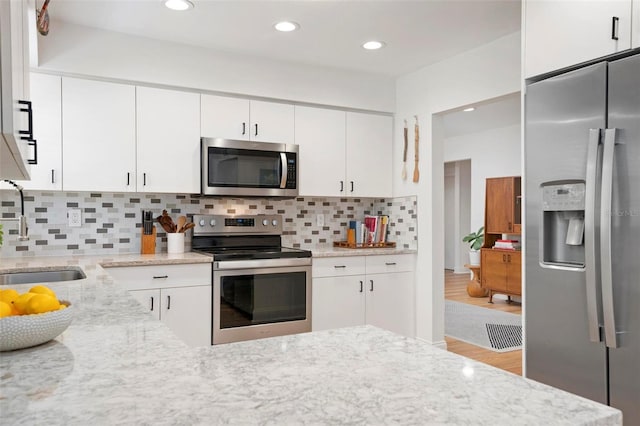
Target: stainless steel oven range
x,y
260,289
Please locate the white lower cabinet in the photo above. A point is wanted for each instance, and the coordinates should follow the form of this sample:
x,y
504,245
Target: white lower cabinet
x,y
178,295
376,290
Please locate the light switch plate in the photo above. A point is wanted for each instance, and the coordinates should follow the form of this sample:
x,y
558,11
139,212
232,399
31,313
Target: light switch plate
x,y
320,219
75,218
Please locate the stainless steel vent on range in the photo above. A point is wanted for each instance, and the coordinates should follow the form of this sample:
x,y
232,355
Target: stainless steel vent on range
x,y
245,168
260,289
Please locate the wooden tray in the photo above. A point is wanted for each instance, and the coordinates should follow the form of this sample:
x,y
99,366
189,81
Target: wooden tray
x,y
344,244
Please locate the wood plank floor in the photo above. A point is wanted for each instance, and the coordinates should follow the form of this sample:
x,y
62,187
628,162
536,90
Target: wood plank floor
x,y
455,288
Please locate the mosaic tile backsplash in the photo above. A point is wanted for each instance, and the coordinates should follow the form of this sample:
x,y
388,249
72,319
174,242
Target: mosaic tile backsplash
x,y
111,223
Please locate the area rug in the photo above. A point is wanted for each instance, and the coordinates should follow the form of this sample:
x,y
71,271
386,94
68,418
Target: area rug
x,y
489,328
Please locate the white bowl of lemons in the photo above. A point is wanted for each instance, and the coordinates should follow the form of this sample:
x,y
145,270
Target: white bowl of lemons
x,y
31,318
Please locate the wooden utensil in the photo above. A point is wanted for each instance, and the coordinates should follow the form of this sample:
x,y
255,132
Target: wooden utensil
x,y
187,227
181,221
166,222
404,155
416,172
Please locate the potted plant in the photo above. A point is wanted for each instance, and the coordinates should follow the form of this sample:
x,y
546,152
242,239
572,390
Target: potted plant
x,y
475,240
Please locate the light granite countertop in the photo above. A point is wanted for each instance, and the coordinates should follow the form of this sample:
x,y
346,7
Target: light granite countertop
x,y
330,251
116,365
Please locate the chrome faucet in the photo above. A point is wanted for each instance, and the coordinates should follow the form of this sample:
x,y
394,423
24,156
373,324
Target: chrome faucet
x,y
23,229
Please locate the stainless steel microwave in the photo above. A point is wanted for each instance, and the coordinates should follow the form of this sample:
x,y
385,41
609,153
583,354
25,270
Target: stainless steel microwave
x,y
245,168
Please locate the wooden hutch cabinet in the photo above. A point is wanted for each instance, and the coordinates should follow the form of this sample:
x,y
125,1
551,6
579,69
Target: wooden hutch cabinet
x,y
501,269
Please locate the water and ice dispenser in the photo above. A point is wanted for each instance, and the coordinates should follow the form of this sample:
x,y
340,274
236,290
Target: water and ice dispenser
x,y
563,224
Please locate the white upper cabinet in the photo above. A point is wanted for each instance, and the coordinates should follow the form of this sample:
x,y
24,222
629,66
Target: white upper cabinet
x,y
168,141
46,92
226,118
561,33
320,134
242,119
99,136
369,155
272,122
16,140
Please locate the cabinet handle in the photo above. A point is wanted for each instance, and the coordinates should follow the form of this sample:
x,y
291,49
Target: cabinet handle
x,y
144,179
168,302
614,27
504,258
29,112
371,288
152,303
509,226
390,263
256,130
341,186
339,266
34,144
244,128
361,286
156,277
351,186
53,176
509,258
128,178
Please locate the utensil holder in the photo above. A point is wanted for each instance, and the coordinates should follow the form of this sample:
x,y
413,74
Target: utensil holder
x,y
148,243
175,242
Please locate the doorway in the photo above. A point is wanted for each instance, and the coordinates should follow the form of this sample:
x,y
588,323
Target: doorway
x,y
475,146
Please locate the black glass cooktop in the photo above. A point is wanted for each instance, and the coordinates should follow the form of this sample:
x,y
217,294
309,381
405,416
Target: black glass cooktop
x,y
251,253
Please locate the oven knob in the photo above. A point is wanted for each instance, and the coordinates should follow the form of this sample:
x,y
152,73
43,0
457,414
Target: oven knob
x,y
212,222
265,222
201,223
274,222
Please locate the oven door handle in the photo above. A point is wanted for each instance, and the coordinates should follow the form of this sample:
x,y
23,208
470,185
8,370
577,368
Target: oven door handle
x,y
260,263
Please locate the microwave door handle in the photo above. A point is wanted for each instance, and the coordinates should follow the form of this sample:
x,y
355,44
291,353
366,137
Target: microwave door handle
x,y
283,170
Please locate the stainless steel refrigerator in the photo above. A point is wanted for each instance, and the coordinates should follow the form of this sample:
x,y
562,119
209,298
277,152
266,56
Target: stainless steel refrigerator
x,y
582,233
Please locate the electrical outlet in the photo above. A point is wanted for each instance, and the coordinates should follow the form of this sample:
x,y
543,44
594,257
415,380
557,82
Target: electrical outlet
x,y
75,218
320,219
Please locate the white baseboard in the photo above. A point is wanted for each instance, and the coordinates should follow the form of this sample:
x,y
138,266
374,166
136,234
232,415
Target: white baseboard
x,y
461,271
440,344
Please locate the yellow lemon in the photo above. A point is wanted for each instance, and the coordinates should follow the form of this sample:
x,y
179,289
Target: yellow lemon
x,y
41,303
20,304
8,295
62,307
5,309
42,289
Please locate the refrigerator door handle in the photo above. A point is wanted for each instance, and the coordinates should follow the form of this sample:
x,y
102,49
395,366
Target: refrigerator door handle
x,y
593,308
608,311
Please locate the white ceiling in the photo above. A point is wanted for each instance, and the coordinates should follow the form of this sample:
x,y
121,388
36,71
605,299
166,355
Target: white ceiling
x,y
491,114
417,33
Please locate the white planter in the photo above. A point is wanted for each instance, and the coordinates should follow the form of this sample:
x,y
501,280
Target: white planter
x,y
175,242
474,257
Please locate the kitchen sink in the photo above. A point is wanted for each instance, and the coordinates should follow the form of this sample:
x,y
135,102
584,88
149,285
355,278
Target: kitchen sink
x,y
42,276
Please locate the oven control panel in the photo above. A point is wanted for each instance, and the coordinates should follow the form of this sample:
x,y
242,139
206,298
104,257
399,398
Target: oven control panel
x,y
240,224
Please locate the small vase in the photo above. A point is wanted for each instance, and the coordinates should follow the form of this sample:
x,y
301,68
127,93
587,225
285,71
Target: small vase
x,y
474,257
175,242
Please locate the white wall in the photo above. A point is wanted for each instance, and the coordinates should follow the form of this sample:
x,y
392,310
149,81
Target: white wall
x,y
493,153
487,72
83,50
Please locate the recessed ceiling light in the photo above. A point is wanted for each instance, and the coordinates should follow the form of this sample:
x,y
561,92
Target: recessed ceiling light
x,y
469,109
286,26
373,45
178,4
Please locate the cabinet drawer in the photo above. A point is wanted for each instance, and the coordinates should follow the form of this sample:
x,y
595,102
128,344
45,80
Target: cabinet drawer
x,y
162,276
338,266
390,263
